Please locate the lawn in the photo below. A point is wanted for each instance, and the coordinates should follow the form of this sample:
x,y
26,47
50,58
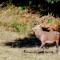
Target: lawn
x,y
7,53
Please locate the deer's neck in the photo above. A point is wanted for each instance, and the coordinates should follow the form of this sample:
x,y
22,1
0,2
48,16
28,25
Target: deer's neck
x,y
38,32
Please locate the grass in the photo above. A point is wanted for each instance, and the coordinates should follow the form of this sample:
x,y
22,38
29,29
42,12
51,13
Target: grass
x,y
7,53
16,19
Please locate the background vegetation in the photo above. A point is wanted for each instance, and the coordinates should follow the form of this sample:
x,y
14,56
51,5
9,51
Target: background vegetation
x,y
18,15
43,6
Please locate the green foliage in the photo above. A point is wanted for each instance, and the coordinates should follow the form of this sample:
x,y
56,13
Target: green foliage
x,y
49,20
53,1
19,27
30,2
10,1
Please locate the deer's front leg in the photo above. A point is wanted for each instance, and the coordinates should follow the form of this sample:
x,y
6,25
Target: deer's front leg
x,y
42,46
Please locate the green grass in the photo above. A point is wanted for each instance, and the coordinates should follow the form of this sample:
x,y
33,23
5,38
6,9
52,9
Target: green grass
x,y
19,27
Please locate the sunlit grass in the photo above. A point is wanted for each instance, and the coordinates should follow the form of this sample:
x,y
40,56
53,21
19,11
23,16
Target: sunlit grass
x,y
7,53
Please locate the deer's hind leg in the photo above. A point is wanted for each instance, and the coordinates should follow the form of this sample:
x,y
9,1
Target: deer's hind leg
x,y
57,44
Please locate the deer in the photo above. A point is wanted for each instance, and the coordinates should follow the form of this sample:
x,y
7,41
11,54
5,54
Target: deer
x,y
46,37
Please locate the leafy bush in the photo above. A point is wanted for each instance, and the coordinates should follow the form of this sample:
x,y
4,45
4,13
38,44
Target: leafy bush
x,y
53,1
19,27
49,20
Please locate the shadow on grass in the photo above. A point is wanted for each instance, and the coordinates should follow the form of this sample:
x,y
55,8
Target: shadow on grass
x,y
39,52
32,41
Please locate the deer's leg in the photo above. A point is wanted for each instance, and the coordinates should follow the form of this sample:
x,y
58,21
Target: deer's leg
x,y
57,46
42,46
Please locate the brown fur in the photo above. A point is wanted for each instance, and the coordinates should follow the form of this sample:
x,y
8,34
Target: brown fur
x,y
46,37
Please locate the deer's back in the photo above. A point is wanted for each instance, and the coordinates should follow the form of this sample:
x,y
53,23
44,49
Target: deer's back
x,y
48,36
